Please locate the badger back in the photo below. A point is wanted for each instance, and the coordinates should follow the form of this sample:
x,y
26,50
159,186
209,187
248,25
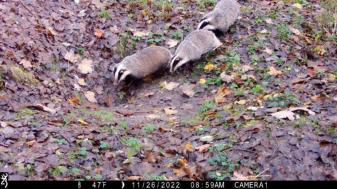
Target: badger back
x,y
196,44
147,61
228,11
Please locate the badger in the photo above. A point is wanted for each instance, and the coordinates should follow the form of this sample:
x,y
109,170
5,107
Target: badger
x,y
221,17
197,43
142,63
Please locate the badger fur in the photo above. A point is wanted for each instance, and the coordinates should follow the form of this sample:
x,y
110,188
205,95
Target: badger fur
x,y
142,63
195,44
222,17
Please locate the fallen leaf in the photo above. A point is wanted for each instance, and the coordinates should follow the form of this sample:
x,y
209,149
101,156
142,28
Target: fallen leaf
x,y
269,21
226,78
221,94
98,4
273,71
264,31
187,89
98,33
139,34
131,99
82,82
189,147
42,108
238,176
170,111
298,6
172,43
170,86
202,81
319,50
181,162
241,102
85,66
82,122
202,148
207,138
149,94
71,57
149,157
246,68
295,31
30,143
303,109
134,178
153,116
90,96
26,64
209,67
74,100
268,51
284,114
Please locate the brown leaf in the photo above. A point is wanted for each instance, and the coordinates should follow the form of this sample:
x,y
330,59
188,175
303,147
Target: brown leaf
x,y
124,112
189,147
134,178
90,96
82,122
149,157
202,148
170,111
170,86
172,43
284,114
71,57
81,81
238,176
74,100
221,94
273,71
153,116
26,64
187,89
30,143
85,66
42,108
98,33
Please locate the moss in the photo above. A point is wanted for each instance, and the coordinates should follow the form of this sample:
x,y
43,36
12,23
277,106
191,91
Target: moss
x,y
22,76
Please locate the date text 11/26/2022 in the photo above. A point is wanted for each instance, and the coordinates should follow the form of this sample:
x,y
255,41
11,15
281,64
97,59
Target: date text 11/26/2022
x,y
197,184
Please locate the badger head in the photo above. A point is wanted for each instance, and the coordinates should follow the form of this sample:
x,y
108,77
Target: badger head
x,y
176,62
207,23
120,72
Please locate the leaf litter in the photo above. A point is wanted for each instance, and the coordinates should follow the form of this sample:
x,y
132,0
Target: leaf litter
x,y
63,118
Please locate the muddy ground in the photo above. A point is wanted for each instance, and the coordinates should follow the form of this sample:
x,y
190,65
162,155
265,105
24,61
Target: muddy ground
x,y
263,106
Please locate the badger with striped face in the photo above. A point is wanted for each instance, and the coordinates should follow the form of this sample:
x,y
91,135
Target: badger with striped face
x,y
141,64
193,47
221,17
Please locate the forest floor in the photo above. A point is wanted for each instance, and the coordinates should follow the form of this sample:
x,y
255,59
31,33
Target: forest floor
x,y
263,106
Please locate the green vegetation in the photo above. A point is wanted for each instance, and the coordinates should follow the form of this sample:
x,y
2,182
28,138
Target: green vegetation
x,y
149,128
282,100
22,76
224,165
283,31
104,14
207,105
133,144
